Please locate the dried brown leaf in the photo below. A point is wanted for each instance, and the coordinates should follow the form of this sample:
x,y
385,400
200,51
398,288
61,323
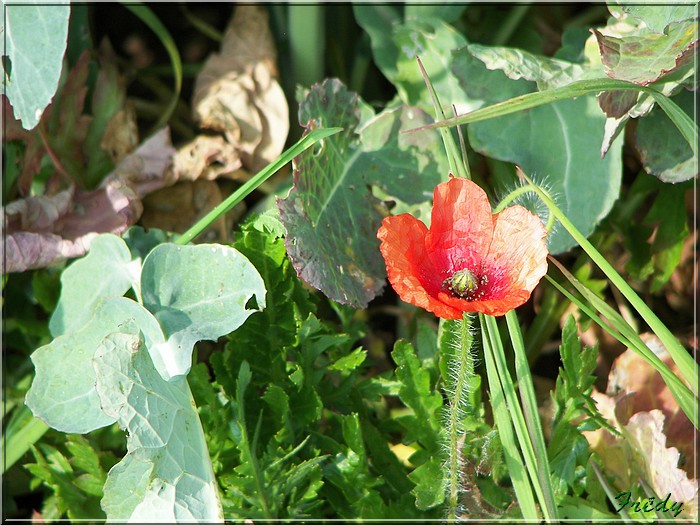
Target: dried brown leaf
x,y
656,442
206,157
45,229
237,94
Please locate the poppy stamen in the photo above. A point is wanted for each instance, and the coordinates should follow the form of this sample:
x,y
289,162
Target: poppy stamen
x,y
465,284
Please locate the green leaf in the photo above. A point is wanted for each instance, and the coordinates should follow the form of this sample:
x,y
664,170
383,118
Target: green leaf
x,y
350,361
430,484
657,16
167,473
330,216
196,293
142,242
105,272
396,44
662,149
446,12
416,392
108,98
55,471
643,57
63,391
558,142
568,449
36,38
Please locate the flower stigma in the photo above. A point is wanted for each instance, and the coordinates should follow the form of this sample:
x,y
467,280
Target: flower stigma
x,y
466,285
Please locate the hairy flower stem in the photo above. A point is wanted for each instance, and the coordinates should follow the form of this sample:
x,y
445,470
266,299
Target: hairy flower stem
x,y
461,370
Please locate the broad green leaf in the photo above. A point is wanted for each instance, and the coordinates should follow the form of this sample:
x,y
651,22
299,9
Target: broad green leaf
x,y
330,216
430,483
558,143
658,16
396,45
518,64
63,391
196,293
167,474
105,272
663,151
36,37
645,57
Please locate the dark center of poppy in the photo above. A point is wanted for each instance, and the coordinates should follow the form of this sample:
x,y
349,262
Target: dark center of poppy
x,y
465,284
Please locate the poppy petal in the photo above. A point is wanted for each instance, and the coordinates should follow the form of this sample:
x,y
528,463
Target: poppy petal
x,y
461,225
517,257
410,271
495,307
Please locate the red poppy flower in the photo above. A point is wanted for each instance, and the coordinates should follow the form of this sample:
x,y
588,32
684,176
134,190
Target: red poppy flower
x,y
470,260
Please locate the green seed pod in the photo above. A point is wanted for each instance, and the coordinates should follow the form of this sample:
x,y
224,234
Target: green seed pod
x,y
463,284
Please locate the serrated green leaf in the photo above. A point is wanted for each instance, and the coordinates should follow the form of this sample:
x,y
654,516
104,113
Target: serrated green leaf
x,y
430,484
36,38
63,392
167,473
662,149
557,143
350,361
105,272
330,216
417,394
568,449
196,293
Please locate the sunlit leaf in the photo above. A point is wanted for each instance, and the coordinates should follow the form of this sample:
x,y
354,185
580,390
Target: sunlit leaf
x,y
63,391
196,293
36,37
167,473
330,215
557,143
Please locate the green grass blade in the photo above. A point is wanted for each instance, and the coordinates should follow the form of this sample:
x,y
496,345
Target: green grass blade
x,y
685,362
22,432
628,337
576,89
306,42
147,16
461,169
531,411
502,414
241,193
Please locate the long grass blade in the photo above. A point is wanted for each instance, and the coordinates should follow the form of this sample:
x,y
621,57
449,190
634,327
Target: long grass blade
x,y
147,16
685,362
241,193
683,122
504,422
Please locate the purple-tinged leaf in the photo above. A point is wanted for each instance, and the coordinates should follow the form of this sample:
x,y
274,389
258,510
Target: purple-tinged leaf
x,y
330,214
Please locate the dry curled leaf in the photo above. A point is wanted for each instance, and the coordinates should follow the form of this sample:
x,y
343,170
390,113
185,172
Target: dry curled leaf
x,y
237,95
176,208
46,229
206,157
656,438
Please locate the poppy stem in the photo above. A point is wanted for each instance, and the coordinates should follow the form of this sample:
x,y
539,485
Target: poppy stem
x,y
461,369
528,188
